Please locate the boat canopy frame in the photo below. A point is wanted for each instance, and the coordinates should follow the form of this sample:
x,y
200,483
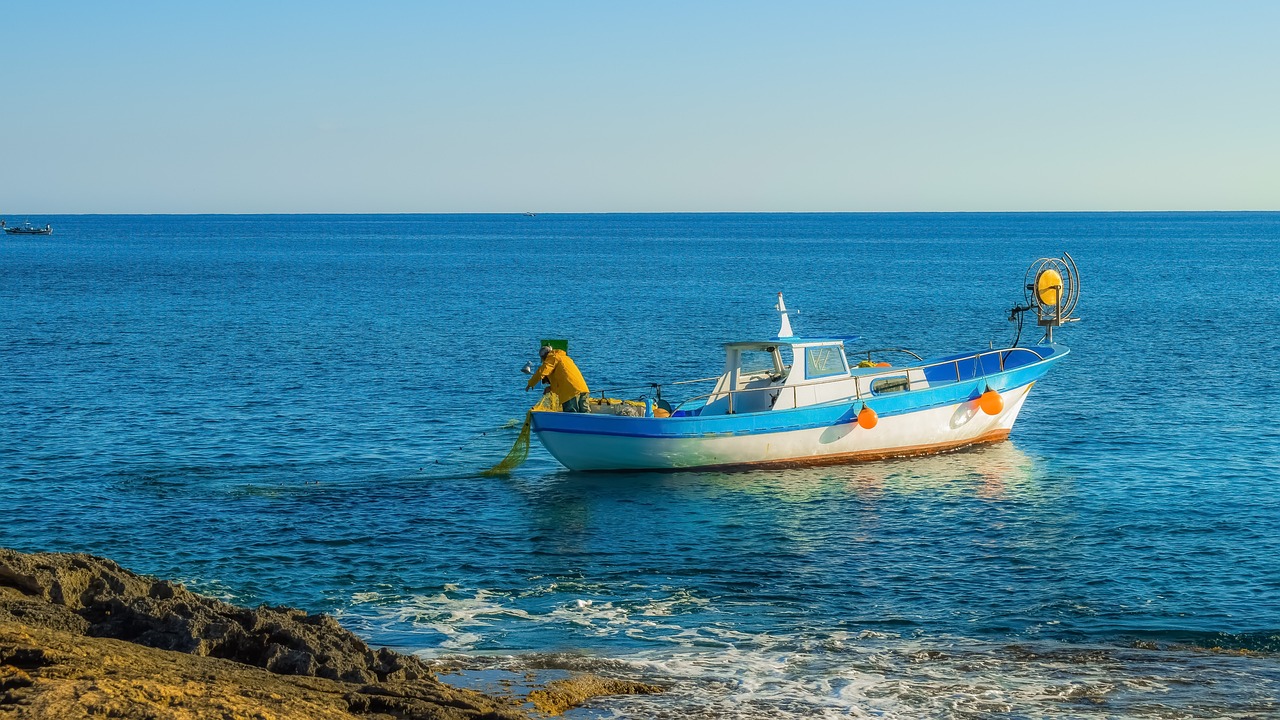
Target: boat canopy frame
x,y
979,369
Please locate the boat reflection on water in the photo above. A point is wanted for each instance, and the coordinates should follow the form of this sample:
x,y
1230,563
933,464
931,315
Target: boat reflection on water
x,y
994,471
575,506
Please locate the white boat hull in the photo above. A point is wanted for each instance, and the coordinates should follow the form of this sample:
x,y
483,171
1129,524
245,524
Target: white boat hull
x,y
929,430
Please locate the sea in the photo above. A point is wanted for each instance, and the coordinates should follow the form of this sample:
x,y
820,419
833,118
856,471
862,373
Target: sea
x,y
296,409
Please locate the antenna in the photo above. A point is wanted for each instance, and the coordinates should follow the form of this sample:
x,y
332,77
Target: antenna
x,y
1051,287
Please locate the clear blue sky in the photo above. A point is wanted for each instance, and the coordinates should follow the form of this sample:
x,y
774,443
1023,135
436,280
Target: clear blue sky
x,y
600,106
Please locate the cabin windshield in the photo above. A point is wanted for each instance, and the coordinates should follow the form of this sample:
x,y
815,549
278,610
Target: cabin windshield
x,y
759,362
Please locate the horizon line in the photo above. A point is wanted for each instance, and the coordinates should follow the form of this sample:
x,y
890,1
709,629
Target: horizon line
x,y
656,212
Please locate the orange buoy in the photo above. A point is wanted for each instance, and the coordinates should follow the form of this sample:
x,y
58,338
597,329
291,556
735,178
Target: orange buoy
x,y
883,364
867,418
991,402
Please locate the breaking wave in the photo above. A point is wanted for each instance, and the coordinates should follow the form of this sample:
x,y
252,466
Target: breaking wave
x,y
712,670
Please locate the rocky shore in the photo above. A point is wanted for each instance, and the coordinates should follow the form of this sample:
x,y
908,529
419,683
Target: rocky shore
x,y
82,637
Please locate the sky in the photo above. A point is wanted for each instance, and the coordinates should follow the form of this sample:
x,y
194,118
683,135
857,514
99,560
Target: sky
x,y
298,107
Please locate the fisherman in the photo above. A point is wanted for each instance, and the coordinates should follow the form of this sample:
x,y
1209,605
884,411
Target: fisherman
x,y
565,378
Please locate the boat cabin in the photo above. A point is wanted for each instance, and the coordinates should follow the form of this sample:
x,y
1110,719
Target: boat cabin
x,y
789,372
794,373
781,375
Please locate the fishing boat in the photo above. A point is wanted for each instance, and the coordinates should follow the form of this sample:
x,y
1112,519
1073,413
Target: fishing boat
x,y
793,401
26,229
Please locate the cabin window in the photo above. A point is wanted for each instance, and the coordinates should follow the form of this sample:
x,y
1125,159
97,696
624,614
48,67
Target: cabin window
x,y
880,386
823,362
756,361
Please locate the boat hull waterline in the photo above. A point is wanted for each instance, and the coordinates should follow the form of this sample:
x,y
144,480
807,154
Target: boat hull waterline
x,y
925,421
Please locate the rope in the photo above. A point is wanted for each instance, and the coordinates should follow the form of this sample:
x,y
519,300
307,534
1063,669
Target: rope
x,y
656,386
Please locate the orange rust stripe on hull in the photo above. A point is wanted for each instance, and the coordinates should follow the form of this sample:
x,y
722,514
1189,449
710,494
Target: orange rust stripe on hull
x,y
993,436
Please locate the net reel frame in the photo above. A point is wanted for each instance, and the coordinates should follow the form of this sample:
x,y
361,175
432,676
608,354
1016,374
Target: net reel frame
x,y
1066,288
1051,315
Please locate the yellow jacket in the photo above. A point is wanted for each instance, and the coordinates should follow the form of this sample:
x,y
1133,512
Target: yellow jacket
x,y
566,379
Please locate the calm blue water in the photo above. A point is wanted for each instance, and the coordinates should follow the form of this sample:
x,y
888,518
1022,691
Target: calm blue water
x,y
293,409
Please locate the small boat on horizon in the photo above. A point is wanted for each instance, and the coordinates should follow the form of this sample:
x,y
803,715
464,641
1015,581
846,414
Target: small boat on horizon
x,y
793,401
26,229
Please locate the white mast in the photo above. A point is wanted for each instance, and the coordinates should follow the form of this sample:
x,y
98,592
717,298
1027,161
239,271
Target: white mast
x,y
785,330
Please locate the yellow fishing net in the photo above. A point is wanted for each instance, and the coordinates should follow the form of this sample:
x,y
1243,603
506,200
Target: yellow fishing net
x,y
520,450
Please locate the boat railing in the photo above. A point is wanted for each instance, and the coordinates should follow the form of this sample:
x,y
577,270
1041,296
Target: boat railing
x,y
969,361
884,350
690,382
656,387
731,394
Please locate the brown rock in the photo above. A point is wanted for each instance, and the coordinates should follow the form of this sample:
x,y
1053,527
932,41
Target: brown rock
x,y
82,637
195,663
94,596
561,695
57,675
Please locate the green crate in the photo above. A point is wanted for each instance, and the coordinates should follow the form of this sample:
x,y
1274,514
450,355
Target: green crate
x,y
554,344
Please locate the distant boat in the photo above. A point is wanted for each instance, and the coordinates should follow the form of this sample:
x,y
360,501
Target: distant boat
x,y
531,214
27,229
